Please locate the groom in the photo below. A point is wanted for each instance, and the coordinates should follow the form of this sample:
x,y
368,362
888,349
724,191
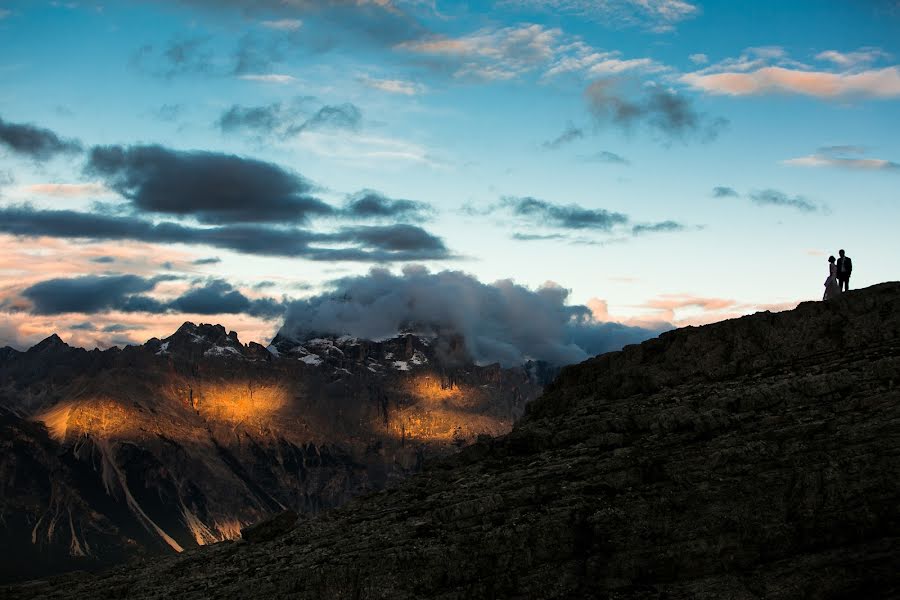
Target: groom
x,y
844,268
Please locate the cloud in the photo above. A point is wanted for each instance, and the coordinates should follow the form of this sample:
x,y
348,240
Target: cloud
x,y
211,187
288,120
393,86
89,294
653,107
537,237
180,56
283,24
326,23
212,260
661,227
771,197
369,204
385,243
576,56
92,294
339,116
569,216
848,60
490,54
103,260
656,15
570,134
278,78
769,70
699,59
499,322
724,192
605,156
67,190
836,156
688,309
34,142
220,297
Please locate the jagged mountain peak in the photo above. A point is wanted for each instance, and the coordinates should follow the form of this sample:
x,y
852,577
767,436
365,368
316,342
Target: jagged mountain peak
x,y
52,342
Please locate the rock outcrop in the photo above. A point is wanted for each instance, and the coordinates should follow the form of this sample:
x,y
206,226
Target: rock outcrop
x,y
753,458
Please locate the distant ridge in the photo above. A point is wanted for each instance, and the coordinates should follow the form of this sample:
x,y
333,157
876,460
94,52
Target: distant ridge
x,y
754,458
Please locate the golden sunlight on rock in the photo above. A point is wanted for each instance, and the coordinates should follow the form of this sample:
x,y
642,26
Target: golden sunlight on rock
x,y
239,402
99,417
444,412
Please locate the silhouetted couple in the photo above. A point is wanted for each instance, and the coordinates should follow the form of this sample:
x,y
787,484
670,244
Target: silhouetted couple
x,y
838,276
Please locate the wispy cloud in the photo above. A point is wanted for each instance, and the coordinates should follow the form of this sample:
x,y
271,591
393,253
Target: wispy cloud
x,y
570,134
283,24
656,15
838,157
772,197
393,86
605,156
278,78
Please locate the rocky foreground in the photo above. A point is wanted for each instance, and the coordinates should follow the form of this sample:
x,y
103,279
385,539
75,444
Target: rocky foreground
x,y
753,458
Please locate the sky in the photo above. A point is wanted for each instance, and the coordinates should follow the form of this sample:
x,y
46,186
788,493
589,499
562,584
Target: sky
x,y
649,163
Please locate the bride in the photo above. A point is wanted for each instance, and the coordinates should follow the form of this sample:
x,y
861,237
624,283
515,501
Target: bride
x,y
832,285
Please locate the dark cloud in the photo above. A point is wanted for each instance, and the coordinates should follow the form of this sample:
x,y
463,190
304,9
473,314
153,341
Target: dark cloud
x,y
34,142
661,227
260,119
212,260
117,328
86,326
569,216
103,260
777,198
724,192
286,120
607,157
369,204
570,134
535,237
179,56
612,102
87,294
500,322
219,297
93,294
211,187
359,244
330,117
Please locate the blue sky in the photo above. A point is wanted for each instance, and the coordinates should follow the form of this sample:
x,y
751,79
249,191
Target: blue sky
x,y
671,161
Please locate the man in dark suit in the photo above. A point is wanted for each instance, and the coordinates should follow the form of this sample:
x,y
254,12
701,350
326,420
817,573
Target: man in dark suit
x,y
844,268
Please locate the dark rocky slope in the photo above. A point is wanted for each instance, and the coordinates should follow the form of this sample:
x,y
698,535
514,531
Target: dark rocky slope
x,y
754,458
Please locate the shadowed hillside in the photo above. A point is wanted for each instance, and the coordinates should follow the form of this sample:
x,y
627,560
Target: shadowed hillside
x,y
753,458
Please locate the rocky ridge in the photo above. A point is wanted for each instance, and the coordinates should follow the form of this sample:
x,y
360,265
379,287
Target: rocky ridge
x,y
753,458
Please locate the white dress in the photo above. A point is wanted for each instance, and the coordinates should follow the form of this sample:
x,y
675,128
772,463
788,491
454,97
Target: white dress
x,y
832,285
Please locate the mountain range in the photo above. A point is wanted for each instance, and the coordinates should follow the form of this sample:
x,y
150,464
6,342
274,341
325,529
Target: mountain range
x,y
181,442
752,458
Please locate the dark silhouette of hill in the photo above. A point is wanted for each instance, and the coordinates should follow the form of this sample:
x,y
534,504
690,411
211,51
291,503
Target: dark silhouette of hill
x,y
752,458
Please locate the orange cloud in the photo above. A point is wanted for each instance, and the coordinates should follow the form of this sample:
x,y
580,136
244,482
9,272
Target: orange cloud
x,y
872,83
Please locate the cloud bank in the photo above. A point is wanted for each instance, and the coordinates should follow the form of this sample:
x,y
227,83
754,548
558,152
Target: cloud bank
x,y
34,142
500,322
